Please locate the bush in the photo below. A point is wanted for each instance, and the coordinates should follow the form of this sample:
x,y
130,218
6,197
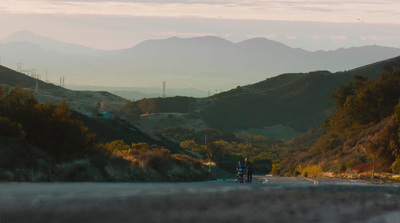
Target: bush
x,y
396,167
262,166
186,168
158,160
79,170
10,129
312,171
297,172
6,175
276,169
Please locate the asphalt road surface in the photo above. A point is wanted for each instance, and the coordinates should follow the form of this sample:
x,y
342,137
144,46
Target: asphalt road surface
x,y
267,199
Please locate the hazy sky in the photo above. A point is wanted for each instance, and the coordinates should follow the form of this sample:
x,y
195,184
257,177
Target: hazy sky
x,y
115,24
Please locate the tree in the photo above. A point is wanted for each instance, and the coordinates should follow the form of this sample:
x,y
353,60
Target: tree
x,y
189,144
131,108
50,128
343,93
382,145
117,145
147,105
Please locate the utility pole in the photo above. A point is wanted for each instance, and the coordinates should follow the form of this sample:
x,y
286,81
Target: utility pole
x,y
62,81
163,93
37,76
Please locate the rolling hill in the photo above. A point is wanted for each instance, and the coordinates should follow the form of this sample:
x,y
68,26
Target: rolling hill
x,y
300,101
88,106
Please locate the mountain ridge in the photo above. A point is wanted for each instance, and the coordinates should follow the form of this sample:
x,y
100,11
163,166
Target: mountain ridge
x,y
205,63
86,103
300,101
49,43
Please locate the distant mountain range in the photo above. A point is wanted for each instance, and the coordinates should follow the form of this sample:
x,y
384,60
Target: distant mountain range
x,y
205,63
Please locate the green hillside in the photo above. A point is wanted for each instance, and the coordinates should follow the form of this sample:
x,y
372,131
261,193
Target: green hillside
x,y
358,109
300,101
362,134
43,138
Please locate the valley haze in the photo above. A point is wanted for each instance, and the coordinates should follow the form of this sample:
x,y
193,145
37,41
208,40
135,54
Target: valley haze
x,y
197,66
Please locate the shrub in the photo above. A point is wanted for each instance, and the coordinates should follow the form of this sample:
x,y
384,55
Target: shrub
x,y
297,172
10,129
262,166
312,171
276,169
396,167
186,168
79,170
6,175
158,160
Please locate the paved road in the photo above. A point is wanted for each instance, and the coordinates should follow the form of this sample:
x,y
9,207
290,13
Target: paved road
x,y
267,199
310,181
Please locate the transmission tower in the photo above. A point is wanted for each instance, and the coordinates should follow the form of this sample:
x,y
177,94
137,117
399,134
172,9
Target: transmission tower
x,y
163,93
62,81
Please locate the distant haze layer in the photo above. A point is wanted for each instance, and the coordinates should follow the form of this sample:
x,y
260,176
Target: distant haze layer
x,y
116,24
206,63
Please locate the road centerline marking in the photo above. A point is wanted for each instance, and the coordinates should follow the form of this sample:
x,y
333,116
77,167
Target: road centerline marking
x,y
314,181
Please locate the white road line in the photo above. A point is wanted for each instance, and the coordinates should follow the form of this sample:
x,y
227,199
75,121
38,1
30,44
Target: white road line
x,y
314,181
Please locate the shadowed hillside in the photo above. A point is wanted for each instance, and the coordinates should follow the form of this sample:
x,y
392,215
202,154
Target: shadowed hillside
x,y
43,141
89,106
301,101
298,100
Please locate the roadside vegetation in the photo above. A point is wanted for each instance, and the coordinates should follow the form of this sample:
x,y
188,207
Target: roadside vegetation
x,y
361,137
45,142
